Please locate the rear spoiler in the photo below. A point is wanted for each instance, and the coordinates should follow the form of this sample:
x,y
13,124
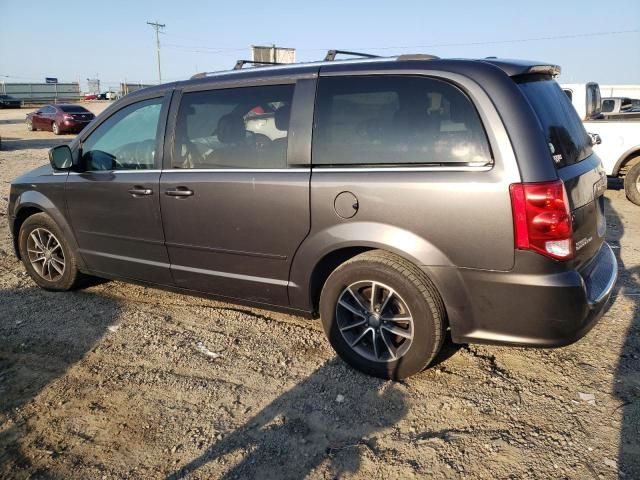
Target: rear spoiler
x,y
515,68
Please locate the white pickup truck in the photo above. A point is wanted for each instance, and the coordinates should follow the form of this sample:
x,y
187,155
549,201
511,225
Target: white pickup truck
x,y
616,141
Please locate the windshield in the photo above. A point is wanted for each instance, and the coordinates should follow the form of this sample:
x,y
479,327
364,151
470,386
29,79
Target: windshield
x,y
73,109
568,141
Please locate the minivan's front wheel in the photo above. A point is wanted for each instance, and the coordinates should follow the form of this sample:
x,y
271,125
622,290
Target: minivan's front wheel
x,y
46,254
382,315
632,184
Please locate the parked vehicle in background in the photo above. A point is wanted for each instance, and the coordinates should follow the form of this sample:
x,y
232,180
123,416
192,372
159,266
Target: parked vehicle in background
x,y
616,105
616,137
59,118
402,199
90,96
106,96
7,101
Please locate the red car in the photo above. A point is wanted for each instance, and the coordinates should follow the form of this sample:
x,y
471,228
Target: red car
x,y
60,118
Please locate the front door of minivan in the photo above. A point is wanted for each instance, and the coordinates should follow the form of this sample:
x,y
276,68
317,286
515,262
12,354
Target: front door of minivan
x,y
234,209
113,200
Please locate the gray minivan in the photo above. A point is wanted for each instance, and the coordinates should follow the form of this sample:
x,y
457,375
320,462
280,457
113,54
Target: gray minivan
x,y
401,199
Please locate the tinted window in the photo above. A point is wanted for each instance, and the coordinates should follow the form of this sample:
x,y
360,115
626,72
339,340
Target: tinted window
x,y
126,140
567,138
233,128
48,109
608,105
386,120
73,109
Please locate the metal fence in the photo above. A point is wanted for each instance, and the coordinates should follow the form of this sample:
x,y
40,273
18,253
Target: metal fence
x,y
127,88
42,92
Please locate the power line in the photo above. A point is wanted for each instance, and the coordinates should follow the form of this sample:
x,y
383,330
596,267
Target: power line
x,y
205,48
157,26
517,40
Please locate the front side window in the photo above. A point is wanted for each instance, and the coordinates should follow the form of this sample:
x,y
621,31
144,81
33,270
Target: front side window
x,y
391,120
233,128
125,141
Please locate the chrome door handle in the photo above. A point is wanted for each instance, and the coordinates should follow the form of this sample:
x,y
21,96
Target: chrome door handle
x,y
179,192
140,191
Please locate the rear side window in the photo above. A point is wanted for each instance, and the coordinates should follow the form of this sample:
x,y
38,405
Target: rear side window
x,y
568,141
608,106
396,120
233,128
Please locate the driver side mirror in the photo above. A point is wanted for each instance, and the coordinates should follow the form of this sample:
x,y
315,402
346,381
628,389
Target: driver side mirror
x,y
60,157
595,139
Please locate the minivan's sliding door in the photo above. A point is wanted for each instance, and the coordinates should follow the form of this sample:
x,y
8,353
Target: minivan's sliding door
x,y
234,211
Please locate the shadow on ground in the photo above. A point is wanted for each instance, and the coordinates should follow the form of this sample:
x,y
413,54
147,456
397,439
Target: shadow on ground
x,y
12,144
308,426
42,335
12,121
627,379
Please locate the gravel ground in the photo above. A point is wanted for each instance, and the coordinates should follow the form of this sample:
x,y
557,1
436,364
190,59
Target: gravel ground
x,y
123,381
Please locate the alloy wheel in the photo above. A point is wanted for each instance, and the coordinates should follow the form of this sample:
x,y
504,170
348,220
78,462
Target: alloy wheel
x,y
45,254
375,321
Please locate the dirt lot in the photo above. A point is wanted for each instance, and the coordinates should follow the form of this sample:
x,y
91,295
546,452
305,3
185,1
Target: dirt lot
x,y
112,382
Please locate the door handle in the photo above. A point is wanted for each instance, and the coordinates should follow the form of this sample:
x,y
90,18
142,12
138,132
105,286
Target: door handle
x,y
138,190
179,192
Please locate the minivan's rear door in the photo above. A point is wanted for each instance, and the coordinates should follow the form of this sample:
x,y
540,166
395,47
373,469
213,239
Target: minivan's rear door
x,y
578,167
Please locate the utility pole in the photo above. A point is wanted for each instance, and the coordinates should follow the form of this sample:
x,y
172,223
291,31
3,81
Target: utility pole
x,y
157,26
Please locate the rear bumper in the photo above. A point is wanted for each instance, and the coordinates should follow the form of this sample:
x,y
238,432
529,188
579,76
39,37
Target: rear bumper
x,y
530,309
72,125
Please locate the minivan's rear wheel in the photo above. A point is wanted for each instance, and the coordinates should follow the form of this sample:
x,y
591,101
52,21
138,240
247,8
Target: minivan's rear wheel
x,y
46,254
382,315
632,184
55,128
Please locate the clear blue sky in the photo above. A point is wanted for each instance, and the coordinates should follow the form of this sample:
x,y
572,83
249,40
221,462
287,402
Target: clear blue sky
x,y
75,40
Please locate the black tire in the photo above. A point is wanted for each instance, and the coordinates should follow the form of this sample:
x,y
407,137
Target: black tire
x,y
70,275
414,289
632,184
55,128
30,126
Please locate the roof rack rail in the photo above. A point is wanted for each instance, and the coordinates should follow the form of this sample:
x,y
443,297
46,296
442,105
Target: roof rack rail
x,y
241,63
331,54
416,56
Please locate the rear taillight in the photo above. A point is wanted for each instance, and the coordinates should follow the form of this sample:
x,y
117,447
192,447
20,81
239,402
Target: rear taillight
x,y
542,219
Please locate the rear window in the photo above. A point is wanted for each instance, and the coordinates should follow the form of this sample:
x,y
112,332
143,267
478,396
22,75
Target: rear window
x,y
74,109
568,141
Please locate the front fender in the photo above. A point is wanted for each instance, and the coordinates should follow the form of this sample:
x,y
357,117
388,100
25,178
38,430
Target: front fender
x,y
319,244
33,199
